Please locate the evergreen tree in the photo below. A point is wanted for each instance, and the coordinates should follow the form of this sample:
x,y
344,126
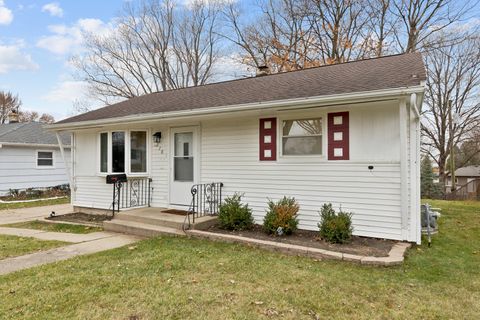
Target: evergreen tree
x,y
427,186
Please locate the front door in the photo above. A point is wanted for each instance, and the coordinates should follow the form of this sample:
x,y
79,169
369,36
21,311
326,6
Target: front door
x,y
183,164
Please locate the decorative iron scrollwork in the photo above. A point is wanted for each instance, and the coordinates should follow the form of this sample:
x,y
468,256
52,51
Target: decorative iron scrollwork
x,y
134,192
206,199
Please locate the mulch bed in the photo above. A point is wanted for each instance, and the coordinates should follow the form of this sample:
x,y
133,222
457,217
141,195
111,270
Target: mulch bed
x,y
79,217
358,245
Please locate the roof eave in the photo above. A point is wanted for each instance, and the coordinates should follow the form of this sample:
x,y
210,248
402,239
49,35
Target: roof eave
x,y
318,100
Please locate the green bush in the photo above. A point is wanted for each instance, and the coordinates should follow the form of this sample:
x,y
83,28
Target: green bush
x,y
233,215
335,228
281,217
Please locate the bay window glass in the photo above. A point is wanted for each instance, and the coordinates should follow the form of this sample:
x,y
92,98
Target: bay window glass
x,y
138,151
118,152
302,137
104,152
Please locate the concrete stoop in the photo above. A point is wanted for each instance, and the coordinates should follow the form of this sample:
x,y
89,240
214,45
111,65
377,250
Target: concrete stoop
x,y
140,229
151,222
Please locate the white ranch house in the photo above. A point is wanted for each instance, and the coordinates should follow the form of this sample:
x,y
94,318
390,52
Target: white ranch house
x,y
348,134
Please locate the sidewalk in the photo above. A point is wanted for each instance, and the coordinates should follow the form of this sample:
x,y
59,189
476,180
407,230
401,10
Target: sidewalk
x,y
8,216
86,244
106,241
58,236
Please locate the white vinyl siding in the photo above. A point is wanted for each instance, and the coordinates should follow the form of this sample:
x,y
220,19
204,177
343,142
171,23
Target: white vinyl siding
x,y
230,155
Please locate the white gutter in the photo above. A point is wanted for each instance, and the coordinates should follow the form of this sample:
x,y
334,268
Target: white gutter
x,y
314,101
67,167
36,145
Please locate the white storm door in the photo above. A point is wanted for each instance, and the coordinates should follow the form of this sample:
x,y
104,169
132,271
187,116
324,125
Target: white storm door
x,y
184,160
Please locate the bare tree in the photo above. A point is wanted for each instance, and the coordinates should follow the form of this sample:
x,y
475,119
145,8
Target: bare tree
x,y
28,116
341,29
452,105
46,118
382,24
80,106
280,37
196,43
8,103
422,19
156,46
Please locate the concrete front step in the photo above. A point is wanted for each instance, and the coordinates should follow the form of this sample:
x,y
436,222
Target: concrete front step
x,y
140,229
165,220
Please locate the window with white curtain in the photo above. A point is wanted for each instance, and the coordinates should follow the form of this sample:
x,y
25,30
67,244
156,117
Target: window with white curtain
x,y
302,137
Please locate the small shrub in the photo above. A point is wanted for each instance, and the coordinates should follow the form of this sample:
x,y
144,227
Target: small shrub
x,y
281,217
335,228
233,215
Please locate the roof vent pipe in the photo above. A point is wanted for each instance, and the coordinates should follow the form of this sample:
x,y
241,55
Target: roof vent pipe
x,y
262,70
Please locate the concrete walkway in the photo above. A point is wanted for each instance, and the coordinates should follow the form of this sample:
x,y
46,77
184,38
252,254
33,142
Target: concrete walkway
x,y
106,242
58,236
8,216
84,244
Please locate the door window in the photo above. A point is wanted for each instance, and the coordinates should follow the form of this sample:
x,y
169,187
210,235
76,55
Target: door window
x,y
183,157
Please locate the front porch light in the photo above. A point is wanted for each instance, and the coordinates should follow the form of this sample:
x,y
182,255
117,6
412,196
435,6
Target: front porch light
x,y
157,136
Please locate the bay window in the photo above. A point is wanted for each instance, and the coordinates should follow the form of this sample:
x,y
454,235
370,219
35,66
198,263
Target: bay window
x,y
123,152
302,137
104,152
138,151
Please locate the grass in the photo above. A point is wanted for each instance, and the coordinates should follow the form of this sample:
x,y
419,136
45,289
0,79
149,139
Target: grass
x,y
12,246
55,227
38,203
177,278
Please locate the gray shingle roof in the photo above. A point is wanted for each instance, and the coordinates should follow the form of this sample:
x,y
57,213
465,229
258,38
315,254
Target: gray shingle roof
x,y
30,133
470,171
389,72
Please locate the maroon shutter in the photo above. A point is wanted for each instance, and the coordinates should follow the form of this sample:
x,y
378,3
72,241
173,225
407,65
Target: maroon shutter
x,y
338,136
268,139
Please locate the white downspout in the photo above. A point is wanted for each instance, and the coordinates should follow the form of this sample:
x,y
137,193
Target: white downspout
x,y
414,104
404,203
67,167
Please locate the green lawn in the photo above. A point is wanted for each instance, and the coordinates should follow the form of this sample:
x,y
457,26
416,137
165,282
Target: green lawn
x,y
55,227
38,203
176,278
11,246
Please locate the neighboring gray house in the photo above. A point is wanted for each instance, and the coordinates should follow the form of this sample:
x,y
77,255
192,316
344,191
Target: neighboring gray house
x,y
30,157
467,180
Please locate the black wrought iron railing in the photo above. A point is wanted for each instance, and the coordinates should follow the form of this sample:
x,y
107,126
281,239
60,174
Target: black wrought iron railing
x,y
135,192
206,199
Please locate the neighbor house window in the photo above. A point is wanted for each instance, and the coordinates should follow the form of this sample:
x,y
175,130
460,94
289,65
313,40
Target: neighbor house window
x,y
118,151
123,152
302,137
45,158
138,151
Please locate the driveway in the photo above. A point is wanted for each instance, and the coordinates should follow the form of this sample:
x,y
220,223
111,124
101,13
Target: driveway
x,y
27,214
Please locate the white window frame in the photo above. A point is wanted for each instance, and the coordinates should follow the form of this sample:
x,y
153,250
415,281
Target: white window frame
x,y
127,153
296,117
44,166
